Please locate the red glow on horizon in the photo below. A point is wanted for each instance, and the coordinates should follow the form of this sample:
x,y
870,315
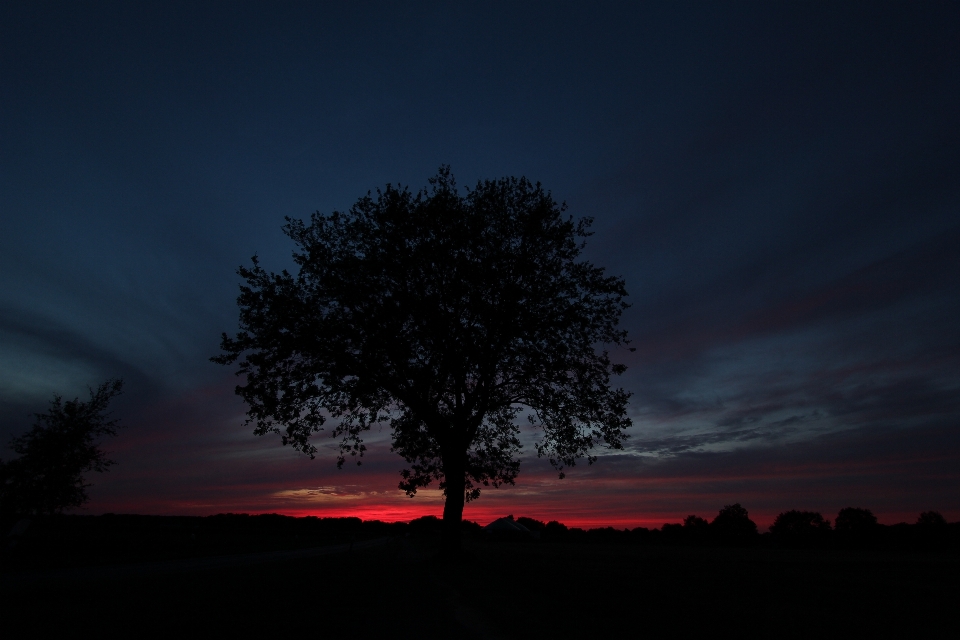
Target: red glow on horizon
x,y
483,516
598,515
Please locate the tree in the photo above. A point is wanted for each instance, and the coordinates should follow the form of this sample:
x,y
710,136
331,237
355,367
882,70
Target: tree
x,y
931,529
55,454
444,314
853,520
931,520
695,523
796,522
696,529
856,527
733,525
800,527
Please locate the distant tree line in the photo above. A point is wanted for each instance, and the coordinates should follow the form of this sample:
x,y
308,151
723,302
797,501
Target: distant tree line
x,y
854,527
57,539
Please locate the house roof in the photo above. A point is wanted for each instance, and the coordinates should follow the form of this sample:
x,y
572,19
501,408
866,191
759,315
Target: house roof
x,y
506,524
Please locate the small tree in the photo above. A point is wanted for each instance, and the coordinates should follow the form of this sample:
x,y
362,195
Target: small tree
x,y
696,529
854,520
931,520
856,527
444,314
59,449
733,525
800,527
695,523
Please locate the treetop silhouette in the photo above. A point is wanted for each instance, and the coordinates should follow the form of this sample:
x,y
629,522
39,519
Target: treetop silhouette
x,y
855,520
931,519
56,452
733,524
445,314
693,522
800,527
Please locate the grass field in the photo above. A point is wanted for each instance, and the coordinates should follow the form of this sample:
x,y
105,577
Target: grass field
x,y
403,589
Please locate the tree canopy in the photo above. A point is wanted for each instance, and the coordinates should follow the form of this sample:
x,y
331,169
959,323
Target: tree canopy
x,y
855,520
733,524
54,455
800,527
446,314
931,519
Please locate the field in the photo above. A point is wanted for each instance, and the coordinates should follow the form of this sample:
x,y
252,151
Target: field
x,y
400,587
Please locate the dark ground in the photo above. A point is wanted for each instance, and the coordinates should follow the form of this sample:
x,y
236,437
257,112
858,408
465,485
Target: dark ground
x,y
65,541
401,588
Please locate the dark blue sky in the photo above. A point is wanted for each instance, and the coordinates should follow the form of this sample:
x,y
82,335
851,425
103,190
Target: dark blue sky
x,y
778,183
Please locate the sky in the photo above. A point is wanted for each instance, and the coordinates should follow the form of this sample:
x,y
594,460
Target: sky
x,y
777,183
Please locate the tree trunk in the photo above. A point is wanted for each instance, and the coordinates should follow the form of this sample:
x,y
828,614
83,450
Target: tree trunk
x,y
453,511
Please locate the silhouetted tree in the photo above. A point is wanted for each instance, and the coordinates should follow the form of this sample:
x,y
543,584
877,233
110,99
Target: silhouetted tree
x,y
56,452
800,527
733,525
696,529
443,314
554,531
931,530
855,520
796,522
425,525
695,523
931,519
856,527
